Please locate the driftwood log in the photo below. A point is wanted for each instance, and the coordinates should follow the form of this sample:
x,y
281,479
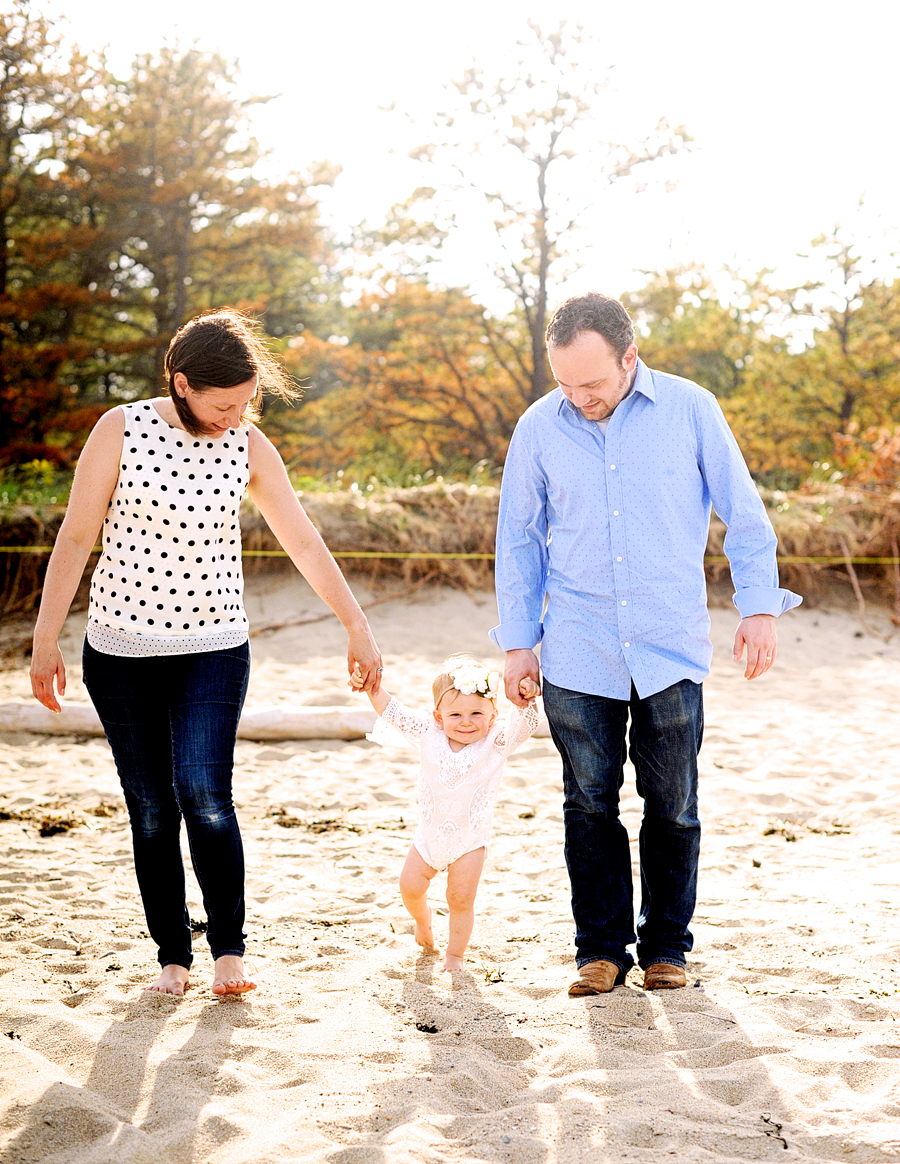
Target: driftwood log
x,y
281,722
257,723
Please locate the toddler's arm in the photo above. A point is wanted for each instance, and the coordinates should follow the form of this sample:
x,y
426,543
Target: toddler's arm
x,y
392,714
523,721
379,699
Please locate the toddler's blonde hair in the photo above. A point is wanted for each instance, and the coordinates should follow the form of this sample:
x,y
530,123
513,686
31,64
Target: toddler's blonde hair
x,y
443,681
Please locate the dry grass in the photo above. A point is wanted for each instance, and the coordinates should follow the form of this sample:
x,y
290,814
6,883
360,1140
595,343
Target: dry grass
x,y
830,522
430,519
827,522
22,575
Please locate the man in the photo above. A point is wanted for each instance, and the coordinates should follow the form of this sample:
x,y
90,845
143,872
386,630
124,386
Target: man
x,y
604,513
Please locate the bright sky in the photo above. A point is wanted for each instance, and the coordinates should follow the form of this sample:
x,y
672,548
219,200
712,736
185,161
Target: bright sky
x,y
792,105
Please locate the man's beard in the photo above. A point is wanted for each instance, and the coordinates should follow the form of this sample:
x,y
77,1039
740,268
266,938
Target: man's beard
x,y
621,393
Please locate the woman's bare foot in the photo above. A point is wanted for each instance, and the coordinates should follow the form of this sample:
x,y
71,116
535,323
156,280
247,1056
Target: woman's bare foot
x,y
172,980
231,978
424,935
451,963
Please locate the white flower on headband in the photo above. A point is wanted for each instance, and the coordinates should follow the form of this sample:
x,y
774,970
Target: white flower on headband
x,y
472,679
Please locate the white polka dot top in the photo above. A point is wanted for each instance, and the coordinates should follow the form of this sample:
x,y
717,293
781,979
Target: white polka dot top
x,y
169,580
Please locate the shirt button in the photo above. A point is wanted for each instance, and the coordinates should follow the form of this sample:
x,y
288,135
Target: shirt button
x,y
612,468
615,513
624,603
618,559
626,644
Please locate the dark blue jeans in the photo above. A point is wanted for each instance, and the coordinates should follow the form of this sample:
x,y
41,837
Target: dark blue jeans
x,y
171,722
665,737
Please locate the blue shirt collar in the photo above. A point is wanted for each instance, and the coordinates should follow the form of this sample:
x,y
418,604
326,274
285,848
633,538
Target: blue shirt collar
x,y
643,383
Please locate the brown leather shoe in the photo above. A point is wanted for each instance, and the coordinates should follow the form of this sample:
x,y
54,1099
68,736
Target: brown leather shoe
x,y
596,978
664,976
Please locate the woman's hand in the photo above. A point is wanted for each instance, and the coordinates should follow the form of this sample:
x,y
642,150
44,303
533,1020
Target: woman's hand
x,y
379,698
46,665
364,660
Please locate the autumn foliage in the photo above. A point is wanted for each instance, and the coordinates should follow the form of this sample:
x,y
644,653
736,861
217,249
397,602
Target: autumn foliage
x,y
129,203
833,397
421,381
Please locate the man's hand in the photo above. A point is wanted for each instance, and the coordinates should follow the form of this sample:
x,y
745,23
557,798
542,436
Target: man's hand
x,y
759,636
520,665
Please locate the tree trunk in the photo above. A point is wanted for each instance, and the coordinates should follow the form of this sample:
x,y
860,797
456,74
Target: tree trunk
x,y
538,322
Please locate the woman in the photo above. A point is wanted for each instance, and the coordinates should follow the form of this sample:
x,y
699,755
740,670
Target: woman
x,y
166,657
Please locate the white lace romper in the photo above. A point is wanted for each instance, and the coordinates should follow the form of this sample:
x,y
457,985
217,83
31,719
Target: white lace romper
x,y
457,790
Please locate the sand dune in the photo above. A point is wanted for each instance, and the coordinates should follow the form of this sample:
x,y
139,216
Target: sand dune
x,y
355,1050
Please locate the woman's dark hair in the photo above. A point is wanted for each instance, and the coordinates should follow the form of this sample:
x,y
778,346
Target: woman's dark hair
x,y
222,349
591,312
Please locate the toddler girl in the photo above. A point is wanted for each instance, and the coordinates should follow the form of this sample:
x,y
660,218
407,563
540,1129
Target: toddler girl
x,y
463,748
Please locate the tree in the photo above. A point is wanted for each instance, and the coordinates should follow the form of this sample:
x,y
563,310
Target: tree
x,y
174,170
797,405
853,359
39,298
131,204
415,386
686,328
545,119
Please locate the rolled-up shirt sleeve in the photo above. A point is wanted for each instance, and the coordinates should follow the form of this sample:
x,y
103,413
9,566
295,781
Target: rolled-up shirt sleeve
x,y
750,541
521,563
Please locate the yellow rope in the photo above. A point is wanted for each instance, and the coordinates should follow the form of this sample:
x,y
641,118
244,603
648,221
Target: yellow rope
x,y
786,559
797,560
369,554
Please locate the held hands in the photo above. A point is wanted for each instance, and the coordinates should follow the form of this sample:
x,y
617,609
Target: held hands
x,y
379,696
364,660
528,689
757,632
46,665
521,677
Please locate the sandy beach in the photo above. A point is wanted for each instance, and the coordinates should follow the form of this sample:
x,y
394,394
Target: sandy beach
x,y
355,1049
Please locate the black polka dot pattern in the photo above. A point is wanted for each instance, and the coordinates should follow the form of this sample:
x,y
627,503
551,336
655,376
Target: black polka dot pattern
x,y
169,580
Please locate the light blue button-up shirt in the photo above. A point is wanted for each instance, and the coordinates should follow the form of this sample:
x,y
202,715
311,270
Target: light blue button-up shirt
x,y
612,530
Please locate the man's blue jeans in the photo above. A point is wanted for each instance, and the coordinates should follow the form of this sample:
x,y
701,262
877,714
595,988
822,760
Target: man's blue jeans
x,y
665,737
171,722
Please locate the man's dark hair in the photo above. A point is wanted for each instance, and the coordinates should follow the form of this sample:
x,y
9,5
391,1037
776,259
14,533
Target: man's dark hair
x,y
591,312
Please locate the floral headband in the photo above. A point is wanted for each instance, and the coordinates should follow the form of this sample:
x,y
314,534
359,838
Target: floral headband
x,y
473,679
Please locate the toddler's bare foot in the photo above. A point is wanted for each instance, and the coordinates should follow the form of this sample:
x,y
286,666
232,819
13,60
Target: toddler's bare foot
x,y
172,980
424,935
451,963
231,978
